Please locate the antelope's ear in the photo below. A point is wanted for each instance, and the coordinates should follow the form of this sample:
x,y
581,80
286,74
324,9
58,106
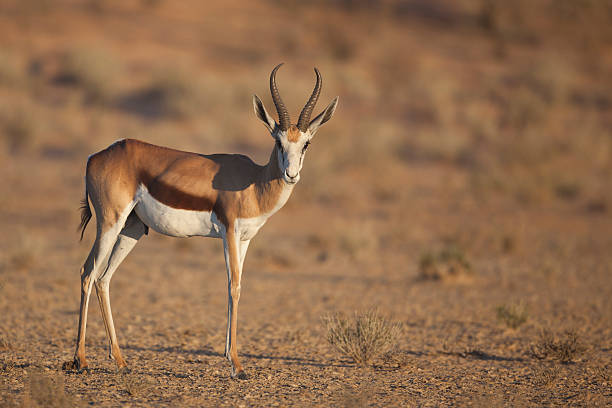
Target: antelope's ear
x,y
262,114
323,117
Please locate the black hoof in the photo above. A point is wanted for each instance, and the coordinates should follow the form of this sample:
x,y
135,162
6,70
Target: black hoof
x,y
68,366
73,366
241,376
124,370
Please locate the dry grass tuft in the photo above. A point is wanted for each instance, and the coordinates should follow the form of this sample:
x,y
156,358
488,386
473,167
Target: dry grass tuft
x,y
563,348
450,262
547,376
512,315
4,343
7,366
602,373
357,244
363,338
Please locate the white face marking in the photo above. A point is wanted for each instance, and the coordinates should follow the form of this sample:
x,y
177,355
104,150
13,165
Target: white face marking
x,y
175,222
291,157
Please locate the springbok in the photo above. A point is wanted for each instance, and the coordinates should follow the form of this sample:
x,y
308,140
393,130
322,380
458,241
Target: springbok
x,y
134,186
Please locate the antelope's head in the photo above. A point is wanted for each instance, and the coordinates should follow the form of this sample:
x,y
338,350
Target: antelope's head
x,y
292,140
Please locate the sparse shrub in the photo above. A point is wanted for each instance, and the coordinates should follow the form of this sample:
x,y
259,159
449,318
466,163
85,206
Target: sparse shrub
x,y
4,343
7,366
546,377
357,244
563,348
363,338
449,262
512,315
93,70
602,373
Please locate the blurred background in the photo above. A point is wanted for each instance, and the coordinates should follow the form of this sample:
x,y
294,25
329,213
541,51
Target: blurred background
x,y
514,96
468,164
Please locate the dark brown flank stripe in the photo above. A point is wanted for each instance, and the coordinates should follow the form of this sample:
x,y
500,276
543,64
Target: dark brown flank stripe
x,y
174,197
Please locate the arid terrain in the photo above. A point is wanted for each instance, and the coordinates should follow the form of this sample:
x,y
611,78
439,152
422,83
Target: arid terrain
x,y
462,189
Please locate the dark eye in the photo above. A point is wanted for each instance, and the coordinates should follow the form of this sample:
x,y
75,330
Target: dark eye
x,y
306,146
279,145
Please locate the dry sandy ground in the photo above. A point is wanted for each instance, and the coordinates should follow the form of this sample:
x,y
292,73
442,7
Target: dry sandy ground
x,y
169,305
352,236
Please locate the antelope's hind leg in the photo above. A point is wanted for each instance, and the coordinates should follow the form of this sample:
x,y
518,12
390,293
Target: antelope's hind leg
x,y
96,260
133,230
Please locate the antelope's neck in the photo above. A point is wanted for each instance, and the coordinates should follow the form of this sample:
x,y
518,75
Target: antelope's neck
x,y
273,191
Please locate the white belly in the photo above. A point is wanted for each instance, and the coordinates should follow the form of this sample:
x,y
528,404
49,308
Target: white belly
x,y
175,222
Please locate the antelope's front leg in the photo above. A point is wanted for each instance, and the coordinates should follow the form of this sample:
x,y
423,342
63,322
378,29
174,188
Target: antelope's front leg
x,y
231,246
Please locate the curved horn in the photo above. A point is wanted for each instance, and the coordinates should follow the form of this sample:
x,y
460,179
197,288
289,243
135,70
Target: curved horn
x,y
304,120
283,115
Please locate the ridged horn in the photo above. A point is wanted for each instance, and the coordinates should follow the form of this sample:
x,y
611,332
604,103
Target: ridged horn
x,y
304,119
283,114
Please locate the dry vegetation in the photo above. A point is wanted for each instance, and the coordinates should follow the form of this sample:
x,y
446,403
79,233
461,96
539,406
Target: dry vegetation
x,y
467,166
563,348
448,263
513,315
363,338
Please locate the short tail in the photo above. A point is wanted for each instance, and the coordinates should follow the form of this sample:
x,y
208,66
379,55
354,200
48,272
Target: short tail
x,y
85,214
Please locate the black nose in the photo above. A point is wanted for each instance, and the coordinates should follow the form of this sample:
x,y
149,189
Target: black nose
x,y
290,176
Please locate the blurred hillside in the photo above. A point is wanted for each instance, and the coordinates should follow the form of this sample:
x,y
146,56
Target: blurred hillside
x,y
515,95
